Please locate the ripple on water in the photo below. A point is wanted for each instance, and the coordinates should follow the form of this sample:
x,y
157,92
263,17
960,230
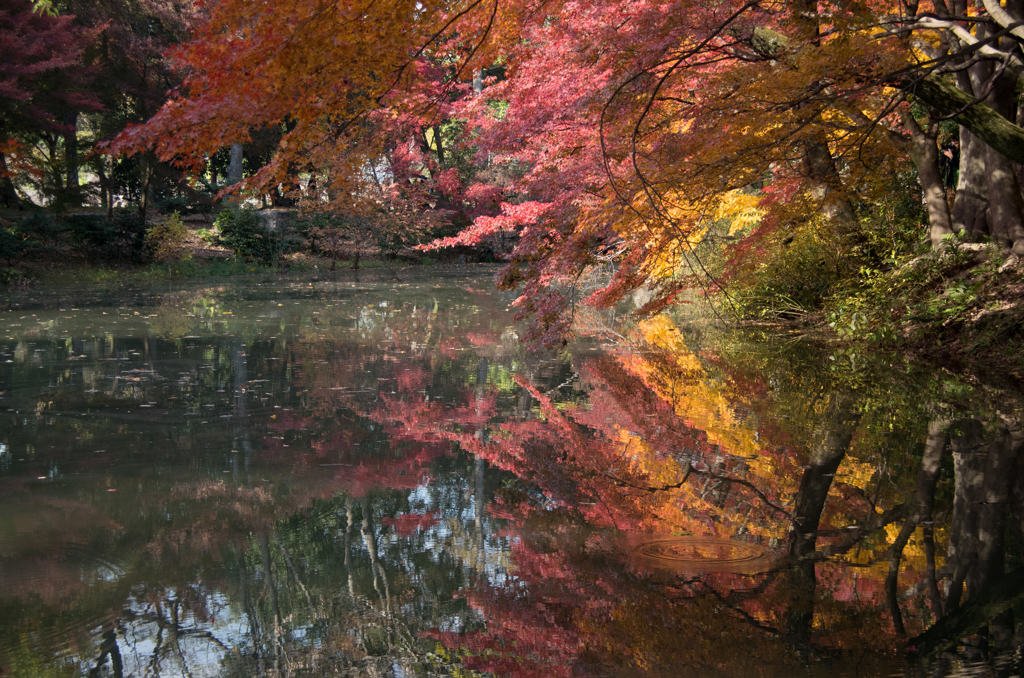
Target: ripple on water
x,y
700,555
59,578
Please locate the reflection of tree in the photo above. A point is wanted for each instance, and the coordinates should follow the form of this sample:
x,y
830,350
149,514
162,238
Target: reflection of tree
x,y
207,566
634,459
370,465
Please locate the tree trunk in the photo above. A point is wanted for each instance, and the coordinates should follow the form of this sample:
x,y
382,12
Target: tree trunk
x,y
925,152
1005,203
235,166
971,203
923,501
819,166
146,168
979,118
73,192
833,441
8,195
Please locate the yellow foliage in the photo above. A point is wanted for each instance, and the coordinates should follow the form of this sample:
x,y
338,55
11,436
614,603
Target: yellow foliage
x,y
740,209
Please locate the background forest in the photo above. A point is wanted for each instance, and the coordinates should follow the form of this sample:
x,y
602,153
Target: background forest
x,y
855,165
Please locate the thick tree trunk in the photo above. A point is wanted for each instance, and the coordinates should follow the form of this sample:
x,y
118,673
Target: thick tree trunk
x,y
988,200
979,118
925,152
968,475
1005,205
1000,466
819,166
971,203
1006,224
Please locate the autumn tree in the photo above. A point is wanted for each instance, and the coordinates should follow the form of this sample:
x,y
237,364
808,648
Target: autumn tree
x,y
637,141
132,81
642,136
42,78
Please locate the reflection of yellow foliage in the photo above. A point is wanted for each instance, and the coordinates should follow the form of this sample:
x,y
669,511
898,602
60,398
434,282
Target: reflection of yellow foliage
x,y
915,547
702,403
856,473
698,399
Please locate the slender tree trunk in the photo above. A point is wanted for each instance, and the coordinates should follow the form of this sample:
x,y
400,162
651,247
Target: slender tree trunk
x,y
71,184
8,195
923,501
235,166
146,167
833,442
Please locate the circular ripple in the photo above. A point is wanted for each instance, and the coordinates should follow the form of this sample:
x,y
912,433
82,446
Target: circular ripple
x,y
702,554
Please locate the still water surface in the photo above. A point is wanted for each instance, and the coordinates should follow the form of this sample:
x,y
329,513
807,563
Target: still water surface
x,y
374,477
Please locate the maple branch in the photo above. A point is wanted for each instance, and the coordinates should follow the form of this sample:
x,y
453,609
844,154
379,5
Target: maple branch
x,y
663,488
479,44
760,495
690,469
618,90
419,52
982,46
746,616
664,78
858,533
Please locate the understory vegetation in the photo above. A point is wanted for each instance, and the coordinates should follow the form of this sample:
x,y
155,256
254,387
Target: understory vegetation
x,y
884,284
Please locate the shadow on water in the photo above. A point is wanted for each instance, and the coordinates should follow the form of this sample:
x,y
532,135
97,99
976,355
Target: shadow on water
x,y
375,478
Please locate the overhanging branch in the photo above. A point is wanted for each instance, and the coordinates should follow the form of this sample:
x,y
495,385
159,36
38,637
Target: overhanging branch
x,y
984,122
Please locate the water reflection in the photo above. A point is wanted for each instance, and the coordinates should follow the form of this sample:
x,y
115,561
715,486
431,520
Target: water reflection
x,y
374,478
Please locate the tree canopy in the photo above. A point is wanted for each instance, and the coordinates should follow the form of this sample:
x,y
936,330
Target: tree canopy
x,y
649,135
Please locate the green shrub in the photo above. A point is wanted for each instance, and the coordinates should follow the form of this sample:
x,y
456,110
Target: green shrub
x,y
210,236
120,239
243,232
792,276
10,275
10,244
174,203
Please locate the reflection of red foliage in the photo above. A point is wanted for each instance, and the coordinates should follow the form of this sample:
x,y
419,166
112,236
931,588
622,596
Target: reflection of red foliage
x,y
482,338
450,348
413,378
527,636
404,473
408,524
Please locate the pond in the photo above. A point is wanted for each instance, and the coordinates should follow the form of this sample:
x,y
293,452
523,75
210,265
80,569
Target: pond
x,y
372,476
